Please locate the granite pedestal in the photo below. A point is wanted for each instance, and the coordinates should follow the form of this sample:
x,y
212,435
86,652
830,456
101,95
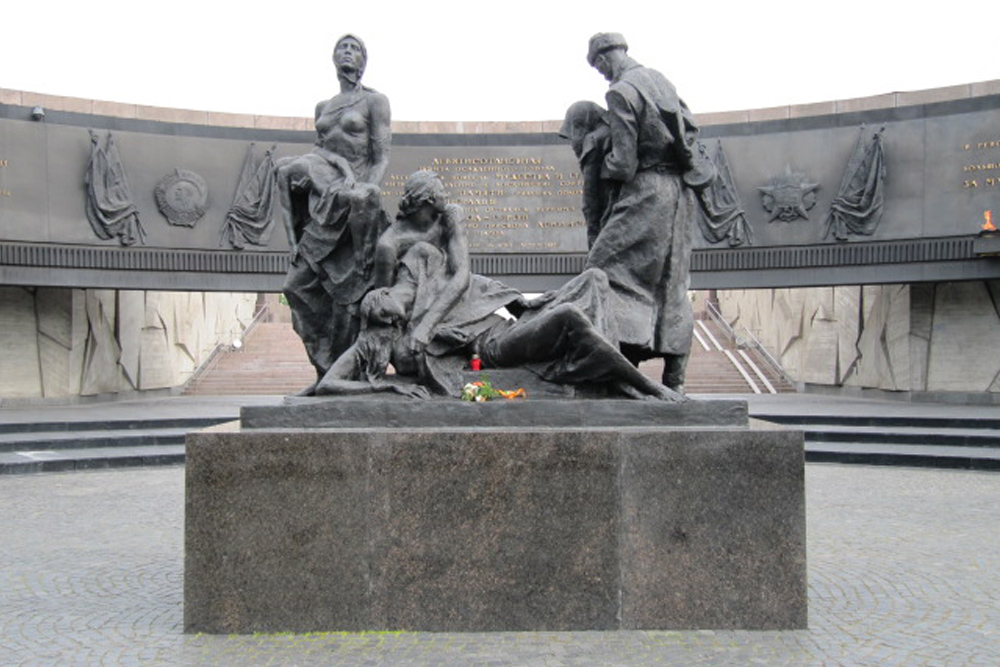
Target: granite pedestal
x,y
489,528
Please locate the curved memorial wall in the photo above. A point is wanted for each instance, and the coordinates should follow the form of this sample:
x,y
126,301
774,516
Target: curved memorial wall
x,y
897,191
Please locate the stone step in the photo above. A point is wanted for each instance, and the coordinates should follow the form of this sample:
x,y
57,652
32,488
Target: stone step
x,y
62,426
21,442
964,423
924,456
13,463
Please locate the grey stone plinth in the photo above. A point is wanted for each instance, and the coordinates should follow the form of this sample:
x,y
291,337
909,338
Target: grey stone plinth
x,y
489,529
399,412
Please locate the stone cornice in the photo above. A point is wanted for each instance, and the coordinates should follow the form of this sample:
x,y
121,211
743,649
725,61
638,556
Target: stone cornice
x,y
217,119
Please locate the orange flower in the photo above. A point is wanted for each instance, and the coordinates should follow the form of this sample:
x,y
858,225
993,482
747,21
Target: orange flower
x,y
517,393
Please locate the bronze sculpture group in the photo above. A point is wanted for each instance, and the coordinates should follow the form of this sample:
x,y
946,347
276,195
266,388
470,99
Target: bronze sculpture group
x,y
366,294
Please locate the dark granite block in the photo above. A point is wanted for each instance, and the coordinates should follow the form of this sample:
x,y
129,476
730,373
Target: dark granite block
x,y
714,533
495,531
276,533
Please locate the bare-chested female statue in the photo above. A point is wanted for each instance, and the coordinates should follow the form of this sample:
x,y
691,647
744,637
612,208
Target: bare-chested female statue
x,y
332,210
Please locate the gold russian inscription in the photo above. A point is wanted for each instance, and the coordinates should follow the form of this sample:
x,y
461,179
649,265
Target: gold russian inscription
x,y
529,176
4,163
486,160
985,166
510,201
982,145
544,224
477,193
4,192
509,222
476,202
979,167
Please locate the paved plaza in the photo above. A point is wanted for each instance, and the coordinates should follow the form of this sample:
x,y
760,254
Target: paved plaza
x,y
902,571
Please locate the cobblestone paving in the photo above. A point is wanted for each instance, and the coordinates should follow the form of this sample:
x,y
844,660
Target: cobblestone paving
x,y
902,569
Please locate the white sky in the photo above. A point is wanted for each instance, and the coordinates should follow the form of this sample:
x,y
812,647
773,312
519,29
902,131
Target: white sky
x,y
508,60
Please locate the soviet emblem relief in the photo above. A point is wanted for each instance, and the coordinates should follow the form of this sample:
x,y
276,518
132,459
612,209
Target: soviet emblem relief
x,y
789,196
182,197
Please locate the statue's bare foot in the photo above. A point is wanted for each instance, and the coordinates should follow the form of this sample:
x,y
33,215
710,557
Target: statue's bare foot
x,y
665,393
653,391
631,391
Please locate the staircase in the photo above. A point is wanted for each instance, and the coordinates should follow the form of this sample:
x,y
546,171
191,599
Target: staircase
x,y
963,442
718,366
755,374
60,446
271,361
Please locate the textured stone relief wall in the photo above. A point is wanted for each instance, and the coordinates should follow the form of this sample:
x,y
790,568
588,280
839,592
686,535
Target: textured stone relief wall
x,y
19,352
965,332
64,342
921,337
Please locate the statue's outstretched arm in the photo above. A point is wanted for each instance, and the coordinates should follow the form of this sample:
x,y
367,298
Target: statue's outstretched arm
x,y
341,380
338,387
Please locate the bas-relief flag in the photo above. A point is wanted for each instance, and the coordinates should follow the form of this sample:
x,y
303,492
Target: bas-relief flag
x,y
857,208
110,208
250,218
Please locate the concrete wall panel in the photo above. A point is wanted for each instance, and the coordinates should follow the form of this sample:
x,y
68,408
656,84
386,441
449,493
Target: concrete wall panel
x,y
963,350
19,343
913,338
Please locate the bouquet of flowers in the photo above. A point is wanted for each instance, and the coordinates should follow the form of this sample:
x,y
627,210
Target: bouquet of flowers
x,y
484,391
